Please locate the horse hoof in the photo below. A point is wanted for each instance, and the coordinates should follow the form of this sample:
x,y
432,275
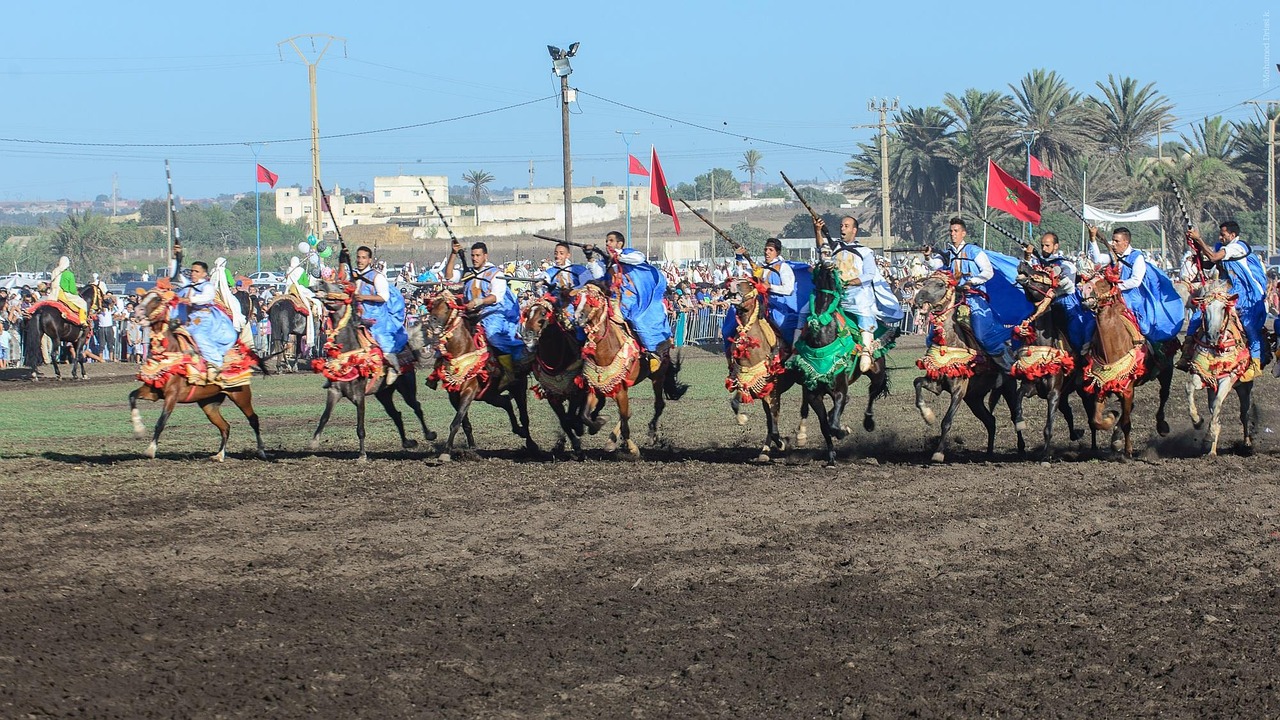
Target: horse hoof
x,y
869,423
1162,427
802,440
218,457
409,444
633,448
445,457
429,436
1020,426
610,446
151,451
742,419
363,459
1077,435
763,458
262,455
927,414
938,457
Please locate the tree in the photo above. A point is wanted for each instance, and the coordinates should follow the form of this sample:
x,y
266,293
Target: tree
x,y
751,165
479,181
1127,116
984,129
153,212
1046,104
726,185
84,239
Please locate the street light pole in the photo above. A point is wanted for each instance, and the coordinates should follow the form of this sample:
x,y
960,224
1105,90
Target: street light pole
x,y
626,139
1028,137
1271,169
560,66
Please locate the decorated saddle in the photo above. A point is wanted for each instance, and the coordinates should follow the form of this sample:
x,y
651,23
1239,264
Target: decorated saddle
x,y
175,352
69,313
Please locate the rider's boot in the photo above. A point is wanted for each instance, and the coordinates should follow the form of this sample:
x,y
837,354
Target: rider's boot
x,y
654,356
866,353
1184,360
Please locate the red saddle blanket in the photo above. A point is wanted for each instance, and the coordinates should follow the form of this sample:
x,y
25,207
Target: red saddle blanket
x,y
68,313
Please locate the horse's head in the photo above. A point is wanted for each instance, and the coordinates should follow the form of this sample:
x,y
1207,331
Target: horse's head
x,y
1098,289
746,293
827,287
154,307
443,307
535,318
1038,281
935,289
592,307
1216,302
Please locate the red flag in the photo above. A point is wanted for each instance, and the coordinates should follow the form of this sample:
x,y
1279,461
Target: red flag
x,y
658,194
1005,193
266,176
1038,169
636,168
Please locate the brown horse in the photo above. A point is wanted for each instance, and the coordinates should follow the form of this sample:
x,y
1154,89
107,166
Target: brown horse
x,y
355,369
612,362
955,363
1220,362
557,367
1121,360
1046,364
172,354
756,372
469,371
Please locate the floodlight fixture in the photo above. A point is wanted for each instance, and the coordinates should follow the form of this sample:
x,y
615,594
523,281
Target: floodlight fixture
x,y
573,50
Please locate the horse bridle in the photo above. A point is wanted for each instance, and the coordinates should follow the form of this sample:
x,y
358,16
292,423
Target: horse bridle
x,y
1202,303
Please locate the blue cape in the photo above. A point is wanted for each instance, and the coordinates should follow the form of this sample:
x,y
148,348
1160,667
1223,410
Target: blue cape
x,y
1009,304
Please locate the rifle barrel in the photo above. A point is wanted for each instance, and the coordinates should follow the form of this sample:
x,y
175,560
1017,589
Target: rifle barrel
x,y
807,206
703,218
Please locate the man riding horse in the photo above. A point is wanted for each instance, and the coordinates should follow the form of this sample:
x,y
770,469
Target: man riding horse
x,y
486,293
1248,279
209,311
1146,290
868,298
382,310
639,288
62,289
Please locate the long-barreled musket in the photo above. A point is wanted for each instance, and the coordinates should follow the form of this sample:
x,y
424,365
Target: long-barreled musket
x,y
344,257
453,239
723,235
813,213
1186,220
1070,207
1002,231
570,243
175,240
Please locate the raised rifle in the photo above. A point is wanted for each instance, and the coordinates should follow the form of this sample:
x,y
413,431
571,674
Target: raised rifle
x,y
812,213
723,235
1186,220
466,265
175,240
344,257
1070,207
1006,233
570,243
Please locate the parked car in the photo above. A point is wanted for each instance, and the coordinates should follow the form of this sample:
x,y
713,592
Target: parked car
x,y
267,277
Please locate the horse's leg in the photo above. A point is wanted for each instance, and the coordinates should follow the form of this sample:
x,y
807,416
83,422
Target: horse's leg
x,y
210,406
878,387
519,393
243,399
386,398
982,411
566,430
1052,401
839,398
359,397
959,389
769,404
134,416
1013,399
1126,419
924,383
330,400
1217,398
736,405
802,430
170,402
624,421
659,401
1064,407
1193,384
461,402
1166,381
1244,393
814,400
407,386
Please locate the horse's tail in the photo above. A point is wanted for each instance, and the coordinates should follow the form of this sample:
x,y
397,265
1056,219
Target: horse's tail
x,y
32,351
671,385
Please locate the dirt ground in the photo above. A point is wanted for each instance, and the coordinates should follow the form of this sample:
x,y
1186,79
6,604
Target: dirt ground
x,y
688,584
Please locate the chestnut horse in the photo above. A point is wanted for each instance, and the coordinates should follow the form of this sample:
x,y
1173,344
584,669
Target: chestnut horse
x,y
1121,359
557,367
1046,363
469,371
956,364
612,362
1220,361
354,370
173,347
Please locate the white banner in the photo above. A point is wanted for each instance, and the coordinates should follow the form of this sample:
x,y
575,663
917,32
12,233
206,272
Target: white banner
x,y
1150,214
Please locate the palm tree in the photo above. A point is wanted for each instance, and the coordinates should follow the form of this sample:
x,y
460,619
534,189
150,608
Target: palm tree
x,y
1127,117
1212,137
83,238
479,181
751,165
1210,187
1045,104
985,129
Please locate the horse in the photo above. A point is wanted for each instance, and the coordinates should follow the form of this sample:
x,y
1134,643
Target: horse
x,y
1220,361
354,368
165,377
956,364
1121,359
612,362
288,329
1045,363
470,372
756,370
48,323
557,366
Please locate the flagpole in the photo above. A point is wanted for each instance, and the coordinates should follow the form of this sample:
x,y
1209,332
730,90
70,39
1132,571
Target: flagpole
x,y
986,194
257,203
1084,188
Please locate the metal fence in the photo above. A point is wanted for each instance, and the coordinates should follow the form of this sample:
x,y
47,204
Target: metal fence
x,y
698,328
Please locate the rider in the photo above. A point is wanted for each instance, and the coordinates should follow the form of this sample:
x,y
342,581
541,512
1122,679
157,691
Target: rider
x,y
972,270
486,291
298,284
641,288
1248,282
1158,308
62,288
209,321
785,305
1080,322
382,311
564,274
867,296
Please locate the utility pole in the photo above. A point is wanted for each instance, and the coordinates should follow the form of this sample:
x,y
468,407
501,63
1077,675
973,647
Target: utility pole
x,y
883,106
531,174
317,191
712,183
626,140
560,66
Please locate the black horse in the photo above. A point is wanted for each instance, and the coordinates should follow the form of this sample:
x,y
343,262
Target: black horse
x,y
288,330
50,338
344,338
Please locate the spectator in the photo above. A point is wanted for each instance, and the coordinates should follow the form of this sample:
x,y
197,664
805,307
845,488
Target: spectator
x,y
105,334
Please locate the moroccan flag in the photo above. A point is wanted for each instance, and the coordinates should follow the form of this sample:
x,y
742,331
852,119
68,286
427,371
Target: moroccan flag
x,y
266,176
636,168
1005,193
658,193
1039,170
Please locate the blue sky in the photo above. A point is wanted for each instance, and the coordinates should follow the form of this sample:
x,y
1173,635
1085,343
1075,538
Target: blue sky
x,y
765,75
